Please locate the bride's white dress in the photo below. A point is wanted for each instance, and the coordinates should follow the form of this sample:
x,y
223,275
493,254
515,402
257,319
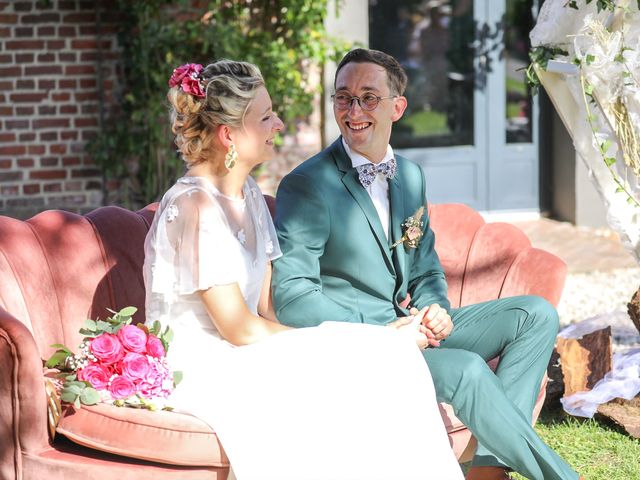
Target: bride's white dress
x,y
339,401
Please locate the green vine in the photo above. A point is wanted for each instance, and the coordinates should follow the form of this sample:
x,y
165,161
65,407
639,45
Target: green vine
x,y
285,38
540,57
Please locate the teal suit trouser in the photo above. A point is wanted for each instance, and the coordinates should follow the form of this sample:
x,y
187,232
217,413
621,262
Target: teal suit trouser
x,y
498,407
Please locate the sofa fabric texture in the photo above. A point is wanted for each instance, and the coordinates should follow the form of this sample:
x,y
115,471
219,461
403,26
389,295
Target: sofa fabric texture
x,y
59,268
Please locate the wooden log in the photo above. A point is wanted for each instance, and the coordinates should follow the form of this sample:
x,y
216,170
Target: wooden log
x,y
625,413
585,360
633,308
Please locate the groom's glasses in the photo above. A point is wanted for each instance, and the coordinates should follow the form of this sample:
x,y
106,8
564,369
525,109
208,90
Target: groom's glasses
x,y
368,101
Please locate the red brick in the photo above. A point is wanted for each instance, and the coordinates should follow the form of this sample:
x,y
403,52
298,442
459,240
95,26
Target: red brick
x,y
72,186
47,174
49,136
49,17
87,83
55,44
46,31
10,71
31,189
27,97
85,172
43,70
67,83
9,190
7,137
67,56
80,18
80,70
6,111
46,84
68,109
77,147
24,32
86,96
85,122
23,84
5,32
66,31
66,5
31,202
23,111
51,123
52,187
36,149
89,56
69,161
89,161
4,164
26,162
10,176
24,57
46,57
47,110
22,6
6,59
59,148
60,96
11,124
13,150
27,137
4,86
10,18
24,45
49,162
89,108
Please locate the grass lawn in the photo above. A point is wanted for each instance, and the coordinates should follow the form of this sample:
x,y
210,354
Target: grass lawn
x,y
597,449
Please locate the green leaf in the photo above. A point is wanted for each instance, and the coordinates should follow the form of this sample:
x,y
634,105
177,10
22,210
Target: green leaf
x,y
58,359
89,325
609,161
68,397
591,117
619,190
70,378
103,326
604,146
157,326
177,377
573,4
588,89
590,59
59,346
127,312
167,335
631,201
77,404
89,396
73,388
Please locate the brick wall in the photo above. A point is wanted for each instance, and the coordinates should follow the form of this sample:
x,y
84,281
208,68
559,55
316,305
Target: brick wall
x,y
51,60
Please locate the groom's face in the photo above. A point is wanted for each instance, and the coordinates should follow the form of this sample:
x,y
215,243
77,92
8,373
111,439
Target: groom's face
x,y
367,131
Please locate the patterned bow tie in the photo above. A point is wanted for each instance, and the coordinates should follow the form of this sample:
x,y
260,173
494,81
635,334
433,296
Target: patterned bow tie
x,y
367,173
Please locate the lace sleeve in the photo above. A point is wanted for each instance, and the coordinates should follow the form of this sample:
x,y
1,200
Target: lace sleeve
x,y
265,222
194,248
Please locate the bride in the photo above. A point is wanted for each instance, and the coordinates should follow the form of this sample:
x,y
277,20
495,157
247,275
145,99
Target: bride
x,y
339,401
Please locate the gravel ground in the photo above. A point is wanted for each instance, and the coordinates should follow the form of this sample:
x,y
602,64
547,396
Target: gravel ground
x,y
601,297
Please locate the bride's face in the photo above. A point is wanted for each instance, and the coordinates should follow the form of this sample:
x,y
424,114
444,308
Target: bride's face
x,y
254,140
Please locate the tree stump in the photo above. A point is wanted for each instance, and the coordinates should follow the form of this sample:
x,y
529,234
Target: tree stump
x,y
585,360
625,413
633,308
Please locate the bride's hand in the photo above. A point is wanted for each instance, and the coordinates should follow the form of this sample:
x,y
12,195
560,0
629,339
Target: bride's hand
x,y
412,325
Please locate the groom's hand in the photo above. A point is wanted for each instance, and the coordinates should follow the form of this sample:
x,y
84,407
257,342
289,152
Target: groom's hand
x,y
436,320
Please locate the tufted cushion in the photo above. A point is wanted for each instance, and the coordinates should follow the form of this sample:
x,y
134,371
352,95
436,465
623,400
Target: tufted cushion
x,y
161,436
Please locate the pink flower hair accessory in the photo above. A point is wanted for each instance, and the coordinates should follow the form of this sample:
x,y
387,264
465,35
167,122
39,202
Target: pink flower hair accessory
x,y
187,77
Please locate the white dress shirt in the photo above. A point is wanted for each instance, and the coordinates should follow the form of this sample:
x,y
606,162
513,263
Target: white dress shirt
x,y
379,189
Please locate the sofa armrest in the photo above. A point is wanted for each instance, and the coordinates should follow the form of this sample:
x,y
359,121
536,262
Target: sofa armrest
x,y
23,406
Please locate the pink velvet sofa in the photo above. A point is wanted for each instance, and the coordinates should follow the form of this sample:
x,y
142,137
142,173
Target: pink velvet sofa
x,y
59,268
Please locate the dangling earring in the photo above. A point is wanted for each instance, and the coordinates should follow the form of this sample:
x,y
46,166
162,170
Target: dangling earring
x,y
231,157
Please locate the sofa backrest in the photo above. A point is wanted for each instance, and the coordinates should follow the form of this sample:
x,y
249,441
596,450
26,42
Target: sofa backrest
x,y
59,268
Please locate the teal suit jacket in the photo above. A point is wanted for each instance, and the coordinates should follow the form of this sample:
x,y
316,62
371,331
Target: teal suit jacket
x,y
337,263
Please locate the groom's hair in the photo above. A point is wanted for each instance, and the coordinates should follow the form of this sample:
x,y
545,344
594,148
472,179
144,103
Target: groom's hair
x,y
395,73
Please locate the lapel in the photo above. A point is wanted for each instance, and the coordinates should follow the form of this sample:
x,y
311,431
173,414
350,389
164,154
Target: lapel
x,y
360,195
396,214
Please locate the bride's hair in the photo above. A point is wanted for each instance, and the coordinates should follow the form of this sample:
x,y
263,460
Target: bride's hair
x,y
229,88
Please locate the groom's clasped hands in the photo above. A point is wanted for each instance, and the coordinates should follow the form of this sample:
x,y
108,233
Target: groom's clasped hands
x,y
429,325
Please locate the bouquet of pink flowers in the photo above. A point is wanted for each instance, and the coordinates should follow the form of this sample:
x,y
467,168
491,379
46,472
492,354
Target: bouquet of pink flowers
x,y
118,363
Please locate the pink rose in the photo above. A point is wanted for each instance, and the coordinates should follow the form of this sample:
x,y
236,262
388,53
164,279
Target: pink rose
x,y
186,77
413,233
97,375
107,348
121,387
135,366
155,348
158,382
134,339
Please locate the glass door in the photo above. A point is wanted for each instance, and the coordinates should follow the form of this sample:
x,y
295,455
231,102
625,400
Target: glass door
x,y
471,119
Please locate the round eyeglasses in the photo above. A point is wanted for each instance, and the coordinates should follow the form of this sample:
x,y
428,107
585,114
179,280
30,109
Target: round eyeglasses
x,y
368,101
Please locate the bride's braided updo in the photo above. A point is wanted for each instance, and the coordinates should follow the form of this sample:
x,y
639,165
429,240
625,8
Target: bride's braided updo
x,y
227,89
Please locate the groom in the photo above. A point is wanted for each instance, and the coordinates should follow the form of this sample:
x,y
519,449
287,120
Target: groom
x,y
338,215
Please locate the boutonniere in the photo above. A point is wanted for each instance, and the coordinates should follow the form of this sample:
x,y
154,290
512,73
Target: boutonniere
x,y
412,230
